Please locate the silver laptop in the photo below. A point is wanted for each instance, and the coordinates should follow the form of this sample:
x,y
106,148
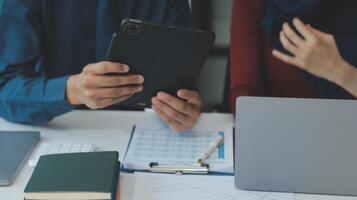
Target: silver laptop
x,y
296,145
15,147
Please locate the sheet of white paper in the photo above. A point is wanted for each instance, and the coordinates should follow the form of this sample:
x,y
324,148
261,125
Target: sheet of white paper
x,y
157,143
148,186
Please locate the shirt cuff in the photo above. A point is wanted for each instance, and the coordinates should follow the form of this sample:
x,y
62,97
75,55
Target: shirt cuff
x,y
55,102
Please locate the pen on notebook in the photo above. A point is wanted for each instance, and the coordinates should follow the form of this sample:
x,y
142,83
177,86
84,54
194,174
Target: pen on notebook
x,y
212,148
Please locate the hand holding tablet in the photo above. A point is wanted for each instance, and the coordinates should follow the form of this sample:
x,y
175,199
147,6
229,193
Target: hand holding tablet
x,y
96,89
149,65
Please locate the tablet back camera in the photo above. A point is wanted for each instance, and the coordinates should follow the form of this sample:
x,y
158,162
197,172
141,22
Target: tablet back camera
x,y
132,28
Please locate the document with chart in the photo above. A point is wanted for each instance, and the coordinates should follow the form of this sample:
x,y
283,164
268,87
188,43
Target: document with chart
x,y
149,186
155,143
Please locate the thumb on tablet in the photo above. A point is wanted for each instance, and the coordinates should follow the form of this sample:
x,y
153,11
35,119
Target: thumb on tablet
x,y
192,97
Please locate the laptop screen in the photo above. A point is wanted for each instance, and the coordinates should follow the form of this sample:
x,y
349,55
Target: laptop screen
x,y
15,147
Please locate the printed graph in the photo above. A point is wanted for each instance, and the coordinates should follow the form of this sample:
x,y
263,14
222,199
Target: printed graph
x,y
171,147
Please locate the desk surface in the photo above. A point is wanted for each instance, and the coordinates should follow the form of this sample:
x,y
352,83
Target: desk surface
x,y
108,130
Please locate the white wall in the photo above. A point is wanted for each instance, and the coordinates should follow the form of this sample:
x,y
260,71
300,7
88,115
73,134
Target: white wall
x,y
212,80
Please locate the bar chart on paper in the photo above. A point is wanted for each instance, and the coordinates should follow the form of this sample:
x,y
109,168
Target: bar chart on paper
x,y
192,187
168,147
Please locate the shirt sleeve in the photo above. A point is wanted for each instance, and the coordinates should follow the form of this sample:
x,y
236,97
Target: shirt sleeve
x,y
246,53
26,94
178,13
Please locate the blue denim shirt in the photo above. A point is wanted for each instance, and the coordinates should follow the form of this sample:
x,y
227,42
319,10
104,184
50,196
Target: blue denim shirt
x,y
42,42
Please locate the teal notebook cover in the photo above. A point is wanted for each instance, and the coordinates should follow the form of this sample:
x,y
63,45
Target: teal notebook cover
x,y
76,172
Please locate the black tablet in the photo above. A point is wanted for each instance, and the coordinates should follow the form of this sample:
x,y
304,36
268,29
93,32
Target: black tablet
x,y
169,58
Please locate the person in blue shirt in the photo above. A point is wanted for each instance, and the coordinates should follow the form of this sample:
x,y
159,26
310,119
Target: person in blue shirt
x,y
52,52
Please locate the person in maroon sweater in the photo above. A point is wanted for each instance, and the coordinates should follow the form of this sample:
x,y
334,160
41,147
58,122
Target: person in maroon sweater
x,y
254,71
318,63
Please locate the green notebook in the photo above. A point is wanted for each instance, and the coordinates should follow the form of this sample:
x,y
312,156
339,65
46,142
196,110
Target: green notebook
x,y
75,176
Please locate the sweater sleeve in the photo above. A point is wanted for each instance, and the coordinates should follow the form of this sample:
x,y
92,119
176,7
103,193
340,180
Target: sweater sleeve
x,y
246,50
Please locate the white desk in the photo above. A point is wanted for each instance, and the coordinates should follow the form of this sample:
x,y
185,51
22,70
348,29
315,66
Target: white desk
x,y
108,130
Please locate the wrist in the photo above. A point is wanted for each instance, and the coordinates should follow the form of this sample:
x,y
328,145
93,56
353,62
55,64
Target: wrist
x,y
348,78
345,74
72,91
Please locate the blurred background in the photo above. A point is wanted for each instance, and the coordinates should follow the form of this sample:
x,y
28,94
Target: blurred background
x,y
214,15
